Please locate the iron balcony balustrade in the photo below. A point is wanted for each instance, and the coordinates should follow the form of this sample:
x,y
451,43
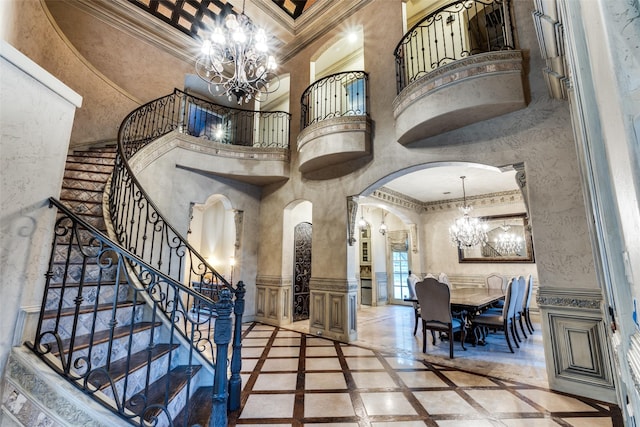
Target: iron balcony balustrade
x,y
454,31
335,125
337,95
112,325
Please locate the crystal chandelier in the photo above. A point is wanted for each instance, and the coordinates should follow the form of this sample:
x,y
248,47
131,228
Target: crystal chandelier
x,y
467,231
508,243
235,61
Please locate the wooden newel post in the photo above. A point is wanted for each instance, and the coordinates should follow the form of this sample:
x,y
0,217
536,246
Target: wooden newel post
x,y
221,337
235,382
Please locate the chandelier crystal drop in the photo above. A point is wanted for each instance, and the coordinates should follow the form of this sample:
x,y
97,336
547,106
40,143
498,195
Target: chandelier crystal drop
x,y
235,61
467,232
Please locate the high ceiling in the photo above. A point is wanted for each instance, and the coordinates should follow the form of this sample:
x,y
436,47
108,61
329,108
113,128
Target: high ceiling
x,y
297,22
193,17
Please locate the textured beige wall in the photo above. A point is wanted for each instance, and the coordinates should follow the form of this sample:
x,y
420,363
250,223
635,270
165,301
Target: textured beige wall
x,y
36,113
137,67
539,135
172,189
104,105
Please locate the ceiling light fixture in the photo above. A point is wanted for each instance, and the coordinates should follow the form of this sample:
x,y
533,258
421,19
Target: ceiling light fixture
x,y
383,227
362,223
235,61
466,231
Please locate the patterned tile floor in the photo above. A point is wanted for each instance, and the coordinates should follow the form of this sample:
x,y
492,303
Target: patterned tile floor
x,y
292,378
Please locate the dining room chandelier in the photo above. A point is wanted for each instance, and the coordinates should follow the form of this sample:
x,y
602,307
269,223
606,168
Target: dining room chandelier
x,y
235,61
508,243
466,231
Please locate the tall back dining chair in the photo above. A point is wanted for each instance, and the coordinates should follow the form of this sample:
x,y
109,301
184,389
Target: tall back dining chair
x,y
517,312
502,320
434,298
443,278
526,303
496,281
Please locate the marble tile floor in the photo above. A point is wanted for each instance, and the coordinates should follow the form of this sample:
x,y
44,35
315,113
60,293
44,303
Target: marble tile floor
x,y
292,378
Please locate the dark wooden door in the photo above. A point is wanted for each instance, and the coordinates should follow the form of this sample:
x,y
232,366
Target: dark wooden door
x,y
301,270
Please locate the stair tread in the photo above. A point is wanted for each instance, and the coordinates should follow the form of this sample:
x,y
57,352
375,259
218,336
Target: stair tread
x,y
83,341
89,159
82,170
118,369
50,314
95,153
176,379
200,406
87,284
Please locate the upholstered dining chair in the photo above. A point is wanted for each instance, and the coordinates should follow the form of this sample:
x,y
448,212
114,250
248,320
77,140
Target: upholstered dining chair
x,y
434,298
443,278
517,312
496,281
502,320
526,303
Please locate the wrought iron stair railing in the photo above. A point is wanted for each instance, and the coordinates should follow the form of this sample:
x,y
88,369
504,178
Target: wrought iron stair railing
x,y
454,31
91,319
143,230
111,324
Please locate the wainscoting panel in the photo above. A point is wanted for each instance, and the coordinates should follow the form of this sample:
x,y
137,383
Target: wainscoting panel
x,y
273,300
353,321
578,349
272,303
576,345
381,284
261,302
317,320
337,312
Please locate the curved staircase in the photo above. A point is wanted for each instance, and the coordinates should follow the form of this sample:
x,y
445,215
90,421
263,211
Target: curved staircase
x,y
117,318
95,321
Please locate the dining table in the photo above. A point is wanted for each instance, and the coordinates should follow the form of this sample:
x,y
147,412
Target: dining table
x,y
468,302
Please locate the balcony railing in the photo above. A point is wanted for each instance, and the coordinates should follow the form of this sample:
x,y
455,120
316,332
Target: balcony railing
x,y
337,95
235,126
452,32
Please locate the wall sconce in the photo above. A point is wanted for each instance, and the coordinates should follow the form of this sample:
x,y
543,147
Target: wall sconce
x,y
383,227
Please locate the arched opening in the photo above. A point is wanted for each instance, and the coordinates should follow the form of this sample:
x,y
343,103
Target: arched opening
x,y
417,206
212,232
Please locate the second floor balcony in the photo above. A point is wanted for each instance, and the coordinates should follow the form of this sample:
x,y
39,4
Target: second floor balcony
x,y
335,125
455,67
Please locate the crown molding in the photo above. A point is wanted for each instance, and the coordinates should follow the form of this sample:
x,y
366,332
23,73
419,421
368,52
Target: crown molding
x,y
401,200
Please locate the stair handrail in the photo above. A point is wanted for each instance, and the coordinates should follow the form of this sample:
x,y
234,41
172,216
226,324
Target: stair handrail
x,y
188,312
